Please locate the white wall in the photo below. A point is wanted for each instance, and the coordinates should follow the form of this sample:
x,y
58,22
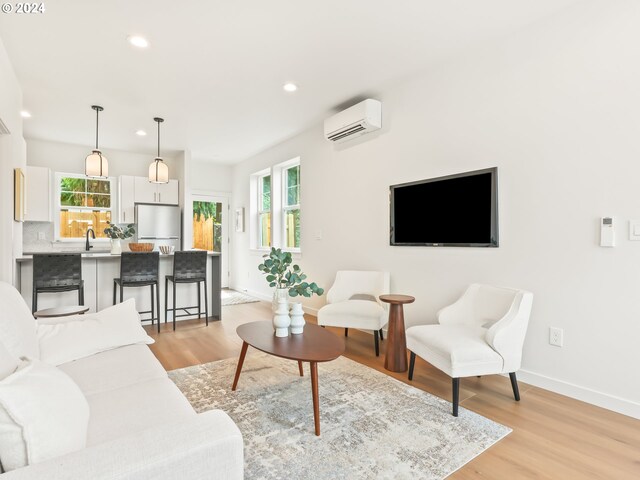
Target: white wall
x,y
12,155
212,177
555,107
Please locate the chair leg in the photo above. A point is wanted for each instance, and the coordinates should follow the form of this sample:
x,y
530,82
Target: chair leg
x,y
114,292
174,306
381,335
456,395
375,339
153,317
206,304
514,385
346,332
412,363
121,292
158,302
34,301
81,295
199,309
166,298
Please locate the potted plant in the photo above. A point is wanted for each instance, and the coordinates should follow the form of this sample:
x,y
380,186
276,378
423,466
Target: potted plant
x,y
288,280
116,234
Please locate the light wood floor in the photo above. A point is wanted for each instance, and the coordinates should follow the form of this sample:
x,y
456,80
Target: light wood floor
x,y
553,436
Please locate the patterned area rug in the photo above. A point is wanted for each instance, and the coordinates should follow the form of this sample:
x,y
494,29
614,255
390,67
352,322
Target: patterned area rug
x,y
231,297
372,425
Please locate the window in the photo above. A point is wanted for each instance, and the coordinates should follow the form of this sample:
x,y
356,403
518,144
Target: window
x,y
275,200
264,211
291,207
83,203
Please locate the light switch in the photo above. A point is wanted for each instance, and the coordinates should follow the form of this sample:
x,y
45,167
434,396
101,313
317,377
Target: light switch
x,y
634,230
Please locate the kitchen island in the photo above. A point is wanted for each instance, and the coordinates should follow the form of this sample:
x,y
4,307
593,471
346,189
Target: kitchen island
x,y
98,271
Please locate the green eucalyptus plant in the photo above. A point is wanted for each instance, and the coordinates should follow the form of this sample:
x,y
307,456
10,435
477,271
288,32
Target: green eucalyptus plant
x,y
280,273
114,232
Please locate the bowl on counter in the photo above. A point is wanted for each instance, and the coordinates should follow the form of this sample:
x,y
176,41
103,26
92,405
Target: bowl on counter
x,y
141,247
167,249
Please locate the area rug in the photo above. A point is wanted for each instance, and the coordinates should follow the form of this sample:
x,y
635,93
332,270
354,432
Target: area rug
x,y
372,426
232,297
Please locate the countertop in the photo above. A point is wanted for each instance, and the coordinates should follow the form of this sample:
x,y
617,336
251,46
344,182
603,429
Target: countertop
x,y
101,255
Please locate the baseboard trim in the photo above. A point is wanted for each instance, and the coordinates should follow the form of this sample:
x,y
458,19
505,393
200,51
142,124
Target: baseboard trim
x,y
594,397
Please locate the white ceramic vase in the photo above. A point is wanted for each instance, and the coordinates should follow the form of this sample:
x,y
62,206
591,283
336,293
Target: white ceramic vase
x,y
279,293
281,319
116,246
297,318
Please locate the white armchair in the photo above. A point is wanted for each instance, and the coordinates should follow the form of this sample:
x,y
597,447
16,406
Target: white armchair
x,y
480,334
352,302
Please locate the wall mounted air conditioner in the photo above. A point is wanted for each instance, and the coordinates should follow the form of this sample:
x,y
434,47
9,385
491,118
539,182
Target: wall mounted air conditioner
x,y
364,117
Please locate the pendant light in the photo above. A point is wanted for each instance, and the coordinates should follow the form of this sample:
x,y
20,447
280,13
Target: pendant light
x,y
158,170
96,164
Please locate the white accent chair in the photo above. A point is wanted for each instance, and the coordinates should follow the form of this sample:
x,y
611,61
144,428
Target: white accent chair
x,y
352,302
482,333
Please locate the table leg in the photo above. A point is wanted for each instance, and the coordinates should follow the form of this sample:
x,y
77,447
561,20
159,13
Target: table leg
x,y
300,368
316,400
396,358
243,352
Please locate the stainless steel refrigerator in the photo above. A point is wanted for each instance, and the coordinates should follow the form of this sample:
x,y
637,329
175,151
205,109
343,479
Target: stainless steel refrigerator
x,y
158,224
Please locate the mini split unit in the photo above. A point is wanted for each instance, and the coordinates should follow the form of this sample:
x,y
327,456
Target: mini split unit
x,y
364,117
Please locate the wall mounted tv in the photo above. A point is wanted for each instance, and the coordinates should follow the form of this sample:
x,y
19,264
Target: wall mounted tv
x,y
454,211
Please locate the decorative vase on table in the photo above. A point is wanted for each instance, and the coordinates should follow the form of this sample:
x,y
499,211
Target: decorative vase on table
x,y
278,294
297,318
116,246
281,319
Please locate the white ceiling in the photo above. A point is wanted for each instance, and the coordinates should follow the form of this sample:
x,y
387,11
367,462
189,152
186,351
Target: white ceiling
x,y
215,68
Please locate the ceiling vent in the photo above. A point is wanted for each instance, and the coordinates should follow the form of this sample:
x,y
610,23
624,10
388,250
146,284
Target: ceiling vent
x,y
364,117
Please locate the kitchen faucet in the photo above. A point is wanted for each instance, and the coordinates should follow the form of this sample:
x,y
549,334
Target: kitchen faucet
x,y
87,246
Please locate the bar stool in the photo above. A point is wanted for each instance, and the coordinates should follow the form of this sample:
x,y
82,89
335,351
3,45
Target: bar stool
x,y
188,267
56,272
140,269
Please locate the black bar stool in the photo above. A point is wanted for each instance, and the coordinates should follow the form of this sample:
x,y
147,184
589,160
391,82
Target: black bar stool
x,y
140,269
56,272
188,267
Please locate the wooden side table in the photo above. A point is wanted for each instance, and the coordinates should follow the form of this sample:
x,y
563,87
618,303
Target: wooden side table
x,y
61,311
396,358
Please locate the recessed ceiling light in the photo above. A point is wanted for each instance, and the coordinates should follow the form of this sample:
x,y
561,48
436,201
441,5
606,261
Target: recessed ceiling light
x,y
25,114
290,87
141,133
138,41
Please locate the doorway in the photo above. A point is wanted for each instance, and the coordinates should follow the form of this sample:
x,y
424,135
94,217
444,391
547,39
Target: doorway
x,y
210,223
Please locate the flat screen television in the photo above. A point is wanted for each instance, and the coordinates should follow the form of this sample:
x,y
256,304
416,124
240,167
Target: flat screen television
x,y
454,211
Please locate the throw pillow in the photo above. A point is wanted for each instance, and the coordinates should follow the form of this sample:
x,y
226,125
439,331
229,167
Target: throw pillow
x,y
43,414
110,328
17,326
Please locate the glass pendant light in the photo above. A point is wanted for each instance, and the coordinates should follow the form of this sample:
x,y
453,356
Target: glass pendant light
x,y
96,164
158,170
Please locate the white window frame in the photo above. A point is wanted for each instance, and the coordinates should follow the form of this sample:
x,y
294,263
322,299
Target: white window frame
x,y
278,208
58,206
260,178
285,208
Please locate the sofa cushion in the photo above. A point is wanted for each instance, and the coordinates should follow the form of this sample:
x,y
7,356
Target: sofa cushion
x,y
17,325
113,369
110,328
43,415
8,363
457,350
123,411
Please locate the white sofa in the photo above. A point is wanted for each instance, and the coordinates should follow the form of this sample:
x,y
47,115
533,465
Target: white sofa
x,y
140,425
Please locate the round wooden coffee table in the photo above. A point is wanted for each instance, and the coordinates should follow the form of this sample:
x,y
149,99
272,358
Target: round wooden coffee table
x,y
396,357
61,311
314,345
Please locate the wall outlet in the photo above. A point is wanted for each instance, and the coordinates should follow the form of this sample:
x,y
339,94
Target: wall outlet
x,y
555,336
41,236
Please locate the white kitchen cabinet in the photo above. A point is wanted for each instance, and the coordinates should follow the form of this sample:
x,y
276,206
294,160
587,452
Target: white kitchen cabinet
x,y
126,199
147,192
38,194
